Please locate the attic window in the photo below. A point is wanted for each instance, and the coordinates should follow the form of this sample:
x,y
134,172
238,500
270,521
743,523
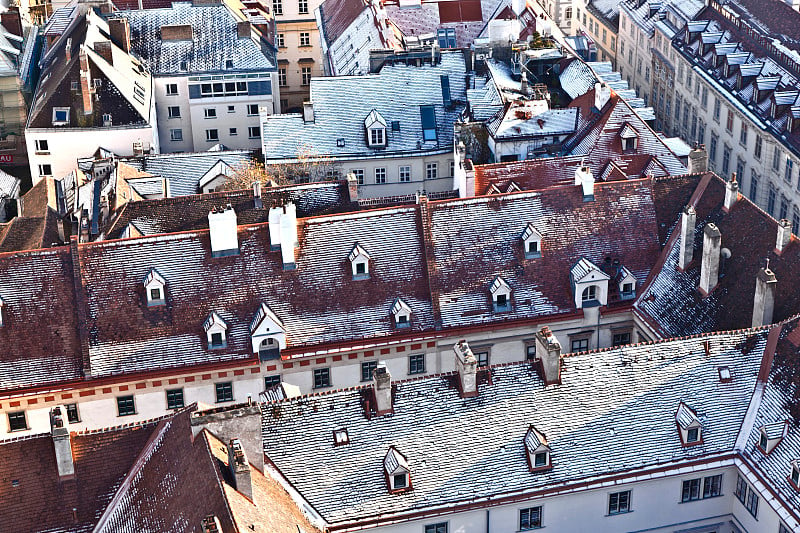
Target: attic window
x,y
398,475
724,374
267,333
689,426
60,116
340,437
795,475
589,294
216,331
340,142
395,125
402,314
375,126
532,242
359,262
589,283
630,138
154,288
229,63
626,283
771,435
537,450
501,295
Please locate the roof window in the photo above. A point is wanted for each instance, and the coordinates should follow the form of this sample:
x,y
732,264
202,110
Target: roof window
x,y
626,284
630,138
794,477
771,435
532,242
589,284
725,375
501,295
401,313
340,437
267,334
155,288
359,262
689,426
216,331
398,475
375,129
60,116
536,450
428,116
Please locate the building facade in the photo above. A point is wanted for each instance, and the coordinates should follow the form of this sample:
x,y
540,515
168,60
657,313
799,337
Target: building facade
x,y
299,56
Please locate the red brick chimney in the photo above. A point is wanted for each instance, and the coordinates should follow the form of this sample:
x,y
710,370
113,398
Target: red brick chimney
x,y
86,83
103,48
120,30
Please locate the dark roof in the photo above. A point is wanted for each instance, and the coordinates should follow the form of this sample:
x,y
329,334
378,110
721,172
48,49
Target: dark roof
x,y
776,17
337,15
37,226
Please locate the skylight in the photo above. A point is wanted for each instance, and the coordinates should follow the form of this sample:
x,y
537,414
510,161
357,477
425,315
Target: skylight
x,y
428,115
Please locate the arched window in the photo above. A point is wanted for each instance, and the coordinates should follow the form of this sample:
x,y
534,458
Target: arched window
x,y
589,293
269,349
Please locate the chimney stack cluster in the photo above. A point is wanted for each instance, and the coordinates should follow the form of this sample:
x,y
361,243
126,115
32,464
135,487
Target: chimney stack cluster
x,y
240,469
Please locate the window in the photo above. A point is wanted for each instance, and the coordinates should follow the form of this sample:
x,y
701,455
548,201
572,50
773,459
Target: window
x,y
620,339
771,195
277,7
589,293
302,7
783,212
212,135
795,476
431,171
533,249
377,137
405,174
416,364
441,527
704,98
359,174
176,135
45,170
646,73
72,413
252,110
380,175
501,303
224,391
691,490
619,502
428,116
210,112
776,159
580,345
795,221
217,340
173,111
716,109
282,77
482,357
233,132
125,406
367,368
741,489
753,185
305,72
743,135
712,149
271,381
155,295
231,109
253,132
568,13
692,435
712,486
280,42
787,174
757,150
701,131
322,378
752,502
340,437
726,159
172,89
622,48
174,398
530,351
42,146
16,421
530,518
729,121
305,37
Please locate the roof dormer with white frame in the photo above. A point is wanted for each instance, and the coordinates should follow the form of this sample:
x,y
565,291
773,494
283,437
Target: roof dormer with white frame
x,y
690,428
626,284
395,468
267,333
794,474
589,284
155,288
501,295
401,313
770,435
359,262
537,450
216,331
375,130
532,242
629,138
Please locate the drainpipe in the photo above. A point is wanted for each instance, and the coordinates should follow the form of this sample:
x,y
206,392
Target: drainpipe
x,y
487,520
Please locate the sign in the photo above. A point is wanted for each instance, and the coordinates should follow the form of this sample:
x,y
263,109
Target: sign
x,y
6,158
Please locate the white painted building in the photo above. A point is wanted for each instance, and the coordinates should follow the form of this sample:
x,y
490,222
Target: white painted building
x,y
212,78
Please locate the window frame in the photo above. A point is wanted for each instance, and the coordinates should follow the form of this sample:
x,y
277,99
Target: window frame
x,y
127,402
404,173
271,381
171,395
322,378
170,113
439,527
253,129
212,138
176,135
691,490
712,486
615,508
171,89
73,415
223,392
416,364
13,417
526,520
367,367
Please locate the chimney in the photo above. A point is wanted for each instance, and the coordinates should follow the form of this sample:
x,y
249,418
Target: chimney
x,y
103,49
12,22
467,366
289,236
243,29
688,221
275,228
61,443
584,178
352,187
698,159
731,193
709,269
120,30
257,203
523,85
308,112
210,524
138,148
86,82
176,32
764,301
382,385
784,236
602,94
68,49
548,352
223,232
240,468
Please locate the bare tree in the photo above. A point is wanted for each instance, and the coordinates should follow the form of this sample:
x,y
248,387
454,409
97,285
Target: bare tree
x,y
308,167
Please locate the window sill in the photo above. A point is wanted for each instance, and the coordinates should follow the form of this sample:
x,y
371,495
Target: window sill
x,y
223,401
619,513
126,414
18,430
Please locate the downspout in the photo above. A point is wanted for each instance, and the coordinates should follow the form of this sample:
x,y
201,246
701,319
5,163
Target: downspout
x,y
487,520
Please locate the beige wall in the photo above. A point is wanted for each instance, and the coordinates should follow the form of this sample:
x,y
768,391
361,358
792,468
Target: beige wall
x,y
292,57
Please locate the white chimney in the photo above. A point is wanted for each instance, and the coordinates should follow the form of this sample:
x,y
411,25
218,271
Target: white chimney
x,y
698,159
61,443
584,178
257,195
518,6
382,385
289,239
240,468
602,94
467,366
764,301
352,187
308,112
709,269
784,236
548,353
275,228
731,193
222,229
688,221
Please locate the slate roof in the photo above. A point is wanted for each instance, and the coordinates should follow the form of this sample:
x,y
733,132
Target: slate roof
x,y
510,126
188,213
338,15
612,413
37,225
671,299
214,41
340,107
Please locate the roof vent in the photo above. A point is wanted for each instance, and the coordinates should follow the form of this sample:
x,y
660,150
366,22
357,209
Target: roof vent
x,y
725,375
784,236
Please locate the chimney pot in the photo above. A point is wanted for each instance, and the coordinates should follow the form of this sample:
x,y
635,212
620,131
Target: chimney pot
x,y
548,353
382,385
784,236
764,300
467,366
709,269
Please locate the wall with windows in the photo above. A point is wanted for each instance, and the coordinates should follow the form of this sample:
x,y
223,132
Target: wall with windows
x,y
392,176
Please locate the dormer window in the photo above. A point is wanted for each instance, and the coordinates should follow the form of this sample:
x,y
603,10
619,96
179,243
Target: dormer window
x,y
794,477
401,313
589,295
532,242
537,450
771,435
359,262
375,127
626,284
267,334
689,426
398,475
501,295
589,284
630,138
155,288
216,331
